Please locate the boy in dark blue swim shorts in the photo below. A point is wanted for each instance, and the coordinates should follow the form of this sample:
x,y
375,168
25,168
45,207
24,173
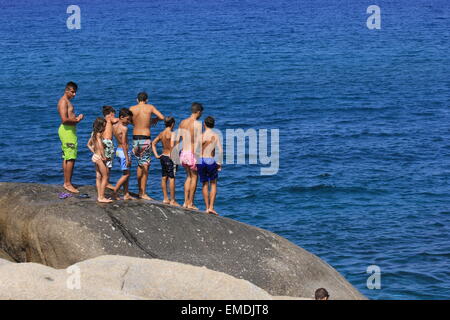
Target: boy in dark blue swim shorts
x,y
207,168
168,167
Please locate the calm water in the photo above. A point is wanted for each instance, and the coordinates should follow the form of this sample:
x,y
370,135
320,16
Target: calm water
x,y
363,114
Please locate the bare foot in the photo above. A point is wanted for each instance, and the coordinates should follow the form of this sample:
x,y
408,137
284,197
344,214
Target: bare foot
x,y
174,203
192,207
185,205
166,201
104,200
128,197
145,197
71,188
110,186
212,211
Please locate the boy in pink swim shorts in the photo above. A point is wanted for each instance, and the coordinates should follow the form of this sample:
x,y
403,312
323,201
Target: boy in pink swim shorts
x,y
190,131
187,159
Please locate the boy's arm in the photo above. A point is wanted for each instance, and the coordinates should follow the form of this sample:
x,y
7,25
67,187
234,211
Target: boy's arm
x,y
64,114
220,155
176,140
173,140
159,115
124,143
154,143
114,120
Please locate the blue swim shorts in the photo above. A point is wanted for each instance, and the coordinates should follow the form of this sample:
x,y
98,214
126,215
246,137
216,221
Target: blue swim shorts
x,y
122,159
207,169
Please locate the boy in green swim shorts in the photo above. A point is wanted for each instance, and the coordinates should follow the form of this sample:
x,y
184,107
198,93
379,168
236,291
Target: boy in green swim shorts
x,y
68,133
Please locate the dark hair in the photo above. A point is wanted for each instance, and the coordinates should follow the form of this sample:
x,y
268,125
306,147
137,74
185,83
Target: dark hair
x,y
321,293
99,125
125,112
168,121
196,107
142,96
72,85
107,110
209,122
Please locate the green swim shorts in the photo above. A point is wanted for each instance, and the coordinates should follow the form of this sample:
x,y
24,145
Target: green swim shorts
x,y
69,142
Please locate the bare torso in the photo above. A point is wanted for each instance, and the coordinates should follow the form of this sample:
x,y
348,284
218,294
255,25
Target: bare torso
x,y
120,133
189,131
142,114
64,105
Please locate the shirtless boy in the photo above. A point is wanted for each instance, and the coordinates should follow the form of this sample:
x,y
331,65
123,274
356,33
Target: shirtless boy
x,y
190,131
110,116
120,130
207,167
142,145
167,166
68,134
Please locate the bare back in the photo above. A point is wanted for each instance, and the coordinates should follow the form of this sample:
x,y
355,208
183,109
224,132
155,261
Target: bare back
x,y
166,137
142,115
190,131
210,140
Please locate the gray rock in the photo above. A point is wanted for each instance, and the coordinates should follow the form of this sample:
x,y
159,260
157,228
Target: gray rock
x,y
36,226
5,256
119,278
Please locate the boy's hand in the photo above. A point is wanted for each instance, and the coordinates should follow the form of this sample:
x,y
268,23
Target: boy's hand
x,y
219,167
80,117
157,156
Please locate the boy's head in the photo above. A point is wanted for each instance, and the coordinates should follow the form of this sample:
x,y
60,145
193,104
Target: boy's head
x,y
107,110
71,89
321,294
169,122
125,116
197,109
99,125
142,97
209,122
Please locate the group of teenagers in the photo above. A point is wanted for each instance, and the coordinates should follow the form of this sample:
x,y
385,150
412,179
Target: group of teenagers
x,y
193,146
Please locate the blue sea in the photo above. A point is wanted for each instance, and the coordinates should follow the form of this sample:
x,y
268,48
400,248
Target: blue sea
x,y
363,115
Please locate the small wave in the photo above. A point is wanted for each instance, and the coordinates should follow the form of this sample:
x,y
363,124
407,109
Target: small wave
x,y
330,189
435,254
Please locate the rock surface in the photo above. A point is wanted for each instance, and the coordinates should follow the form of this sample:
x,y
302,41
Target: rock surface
x,y
122,278
36,226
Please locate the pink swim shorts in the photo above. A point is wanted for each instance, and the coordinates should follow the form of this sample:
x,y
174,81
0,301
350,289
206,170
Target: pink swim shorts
x,y
188,160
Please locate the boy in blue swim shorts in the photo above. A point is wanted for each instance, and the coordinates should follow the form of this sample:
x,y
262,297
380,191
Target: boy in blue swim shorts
x,y
120,130
207,168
